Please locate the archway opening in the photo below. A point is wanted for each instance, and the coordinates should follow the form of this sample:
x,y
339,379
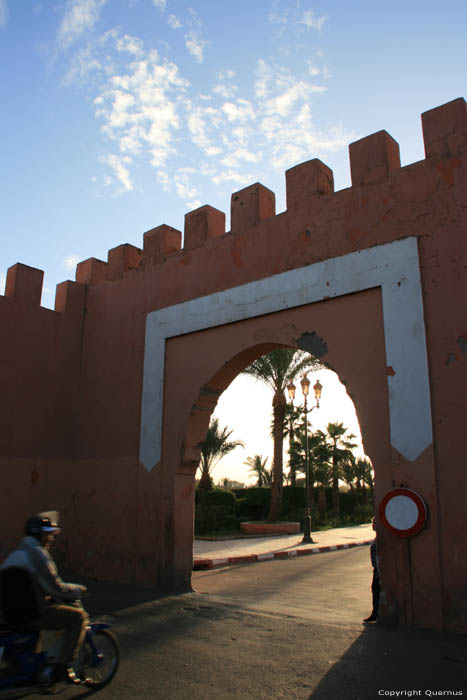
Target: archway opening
x,y
201,365
240,495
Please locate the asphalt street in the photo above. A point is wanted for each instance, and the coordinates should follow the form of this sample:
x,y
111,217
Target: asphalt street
x,y
276,630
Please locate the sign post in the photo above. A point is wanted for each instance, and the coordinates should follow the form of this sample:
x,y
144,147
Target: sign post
x,y
403,512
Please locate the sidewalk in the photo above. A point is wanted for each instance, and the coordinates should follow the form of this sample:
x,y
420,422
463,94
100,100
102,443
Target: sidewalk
x,y
209,554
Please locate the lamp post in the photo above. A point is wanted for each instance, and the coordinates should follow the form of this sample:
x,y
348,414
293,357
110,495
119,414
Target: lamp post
x,y
305,384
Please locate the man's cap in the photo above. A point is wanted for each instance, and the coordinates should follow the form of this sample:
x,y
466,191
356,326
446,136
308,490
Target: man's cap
x,y
43,522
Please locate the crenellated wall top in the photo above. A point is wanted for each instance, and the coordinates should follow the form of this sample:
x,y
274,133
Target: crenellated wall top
x,y
373,159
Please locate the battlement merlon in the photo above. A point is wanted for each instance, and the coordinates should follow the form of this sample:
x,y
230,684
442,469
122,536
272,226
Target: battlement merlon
x,y
308,180
121,259
202,224
24,284
445,129
70,298
250,206
159,243
373,158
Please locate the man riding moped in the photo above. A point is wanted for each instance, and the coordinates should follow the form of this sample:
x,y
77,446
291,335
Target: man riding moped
x,y
34,597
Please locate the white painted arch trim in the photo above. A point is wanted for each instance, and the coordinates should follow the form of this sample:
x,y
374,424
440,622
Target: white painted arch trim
x,y
393,266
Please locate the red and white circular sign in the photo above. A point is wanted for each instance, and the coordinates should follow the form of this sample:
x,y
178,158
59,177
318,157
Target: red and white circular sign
x,y
403,512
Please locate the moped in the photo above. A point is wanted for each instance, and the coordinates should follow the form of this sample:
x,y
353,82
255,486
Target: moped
x,y
22,666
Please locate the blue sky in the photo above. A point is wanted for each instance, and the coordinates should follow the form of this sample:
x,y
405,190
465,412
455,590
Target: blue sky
x,y
120,115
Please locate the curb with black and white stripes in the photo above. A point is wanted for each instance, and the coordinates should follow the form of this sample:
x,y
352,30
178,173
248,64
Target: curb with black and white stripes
x,y
203,564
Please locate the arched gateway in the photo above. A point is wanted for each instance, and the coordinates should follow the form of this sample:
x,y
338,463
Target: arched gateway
x,y
106,398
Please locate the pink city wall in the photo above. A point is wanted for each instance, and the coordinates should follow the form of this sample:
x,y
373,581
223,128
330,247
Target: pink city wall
x,y
106,398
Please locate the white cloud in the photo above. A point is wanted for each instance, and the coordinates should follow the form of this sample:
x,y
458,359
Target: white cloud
x,y
139,108
197,120
283,103
264,78
164,179
310,21
71,261
160,4
2,282
131,45
174,22
195,45
81,16
3,12
194,204
121,171
278,19
150,113
183,185
84,63
225,91
240,111
234,177
241,154
313,70
93,61
226,75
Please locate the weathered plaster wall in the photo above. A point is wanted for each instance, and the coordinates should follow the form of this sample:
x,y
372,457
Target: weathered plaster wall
x,y
39,384
72,385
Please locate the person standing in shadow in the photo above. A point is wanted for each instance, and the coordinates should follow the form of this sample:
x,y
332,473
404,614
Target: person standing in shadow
x,y
375,584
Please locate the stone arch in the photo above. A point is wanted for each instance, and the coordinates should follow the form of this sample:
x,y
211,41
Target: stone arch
x,y
369,328
393,268
362,313
222,352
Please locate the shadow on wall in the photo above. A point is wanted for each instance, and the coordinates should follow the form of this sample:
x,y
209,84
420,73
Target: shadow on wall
x,y
385,660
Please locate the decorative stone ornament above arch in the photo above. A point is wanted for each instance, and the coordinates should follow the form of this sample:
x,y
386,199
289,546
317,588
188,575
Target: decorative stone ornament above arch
x,y
394,267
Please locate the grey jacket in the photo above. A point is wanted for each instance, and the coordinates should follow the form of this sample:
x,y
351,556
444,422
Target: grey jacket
x,y
31,556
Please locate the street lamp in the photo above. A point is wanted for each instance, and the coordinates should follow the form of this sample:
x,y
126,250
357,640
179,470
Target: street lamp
x,y
305,384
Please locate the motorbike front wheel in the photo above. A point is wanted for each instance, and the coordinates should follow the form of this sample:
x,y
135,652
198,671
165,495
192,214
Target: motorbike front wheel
x,y
98,658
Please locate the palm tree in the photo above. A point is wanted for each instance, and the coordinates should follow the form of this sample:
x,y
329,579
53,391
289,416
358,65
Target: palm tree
x,y
292,416
215,445
364,476
349,474
277,369
318,459
258,466
340,448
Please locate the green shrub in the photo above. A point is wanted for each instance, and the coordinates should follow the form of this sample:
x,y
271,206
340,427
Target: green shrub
x,y
242,507
231,523
258,499
363,513
293,498
211,518
347,503
219,497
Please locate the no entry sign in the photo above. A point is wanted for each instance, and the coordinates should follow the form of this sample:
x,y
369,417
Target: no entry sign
x,y
403,512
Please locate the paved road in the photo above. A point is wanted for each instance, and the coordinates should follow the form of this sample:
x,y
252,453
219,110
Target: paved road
x,y
243,640
316,588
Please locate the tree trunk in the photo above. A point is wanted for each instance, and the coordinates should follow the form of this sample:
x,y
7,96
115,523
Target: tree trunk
x,y
322,500
335,497
292,470
278,407
293,475
205,484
